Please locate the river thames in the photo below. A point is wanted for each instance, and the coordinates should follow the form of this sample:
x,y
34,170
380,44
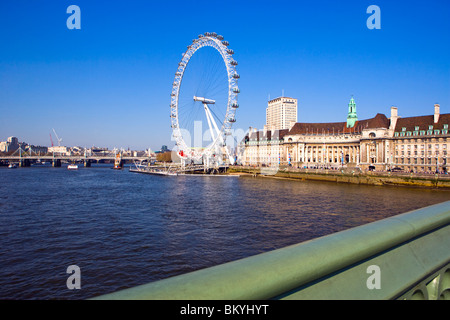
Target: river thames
x,y
124,229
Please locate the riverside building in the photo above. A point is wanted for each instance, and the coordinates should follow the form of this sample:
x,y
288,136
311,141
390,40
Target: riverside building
x,y
11,144
281,113
412,144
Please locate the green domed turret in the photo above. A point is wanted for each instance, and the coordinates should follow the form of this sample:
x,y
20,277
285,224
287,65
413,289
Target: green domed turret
x,y
352,117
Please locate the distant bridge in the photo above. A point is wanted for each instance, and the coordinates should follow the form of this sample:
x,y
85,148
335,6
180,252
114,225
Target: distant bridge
x,y
70,158
25,159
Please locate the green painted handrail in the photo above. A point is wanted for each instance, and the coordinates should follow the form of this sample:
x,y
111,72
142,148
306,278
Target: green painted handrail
x,y
406,248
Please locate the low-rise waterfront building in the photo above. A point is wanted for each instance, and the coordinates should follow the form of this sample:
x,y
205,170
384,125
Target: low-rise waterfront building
x,y
36,150
60,150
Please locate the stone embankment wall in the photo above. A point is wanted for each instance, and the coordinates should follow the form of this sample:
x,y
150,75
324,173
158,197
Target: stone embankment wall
x,y
346,176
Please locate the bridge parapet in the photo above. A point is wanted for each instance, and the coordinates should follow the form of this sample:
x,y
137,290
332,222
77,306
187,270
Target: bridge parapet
x,y
402,257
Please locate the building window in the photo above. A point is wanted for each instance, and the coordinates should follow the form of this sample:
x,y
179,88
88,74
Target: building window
x,y
436,131
430,127
404,129
416,128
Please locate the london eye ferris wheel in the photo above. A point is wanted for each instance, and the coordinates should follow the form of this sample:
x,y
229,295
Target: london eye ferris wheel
x,y
205,88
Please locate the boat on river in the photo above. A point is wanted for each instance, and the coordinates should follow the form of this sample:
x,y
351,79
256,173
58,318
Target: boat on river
x,y
118,162
155,170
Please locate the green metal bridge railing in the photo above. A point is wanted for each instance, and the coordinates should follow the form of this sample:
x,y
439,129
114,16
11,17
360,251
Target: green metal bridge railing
x,y
406,256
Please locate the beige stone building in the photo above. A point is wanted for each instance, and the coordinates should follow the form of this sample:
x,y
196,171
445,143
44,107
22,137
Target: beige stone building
x,y
281,113
417,144
420,144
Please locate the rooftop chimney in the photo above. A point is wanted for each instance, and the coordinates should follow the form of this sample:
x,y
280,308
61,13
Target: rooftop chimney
x,y
394,117
436,113
291,124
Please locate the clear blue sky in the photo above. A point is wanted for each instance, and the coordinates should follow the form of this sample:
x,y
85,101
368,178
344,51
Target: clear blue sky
x,y
109,83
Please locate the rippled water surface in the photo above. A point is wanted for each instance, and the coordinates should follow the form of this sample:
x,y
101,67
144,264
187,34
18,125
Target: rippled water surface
x,y
124,229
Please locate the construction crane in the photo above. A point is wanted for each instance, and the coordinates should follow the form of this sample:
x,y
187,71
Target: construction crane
x,y
57,138
51,140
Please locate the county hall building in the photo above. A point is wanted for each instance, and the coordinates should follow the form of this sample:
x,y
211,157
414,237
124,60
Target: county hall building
x,y
411,144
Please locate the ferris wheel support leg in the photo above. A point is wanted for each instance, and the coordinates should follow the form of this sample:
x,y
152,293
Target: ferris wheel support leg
x,y
209,118
213,122
213,128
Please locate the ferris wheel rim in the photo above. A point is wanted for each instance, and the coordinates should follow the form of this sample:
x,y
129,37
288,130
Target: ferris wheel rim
x,y
217,42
